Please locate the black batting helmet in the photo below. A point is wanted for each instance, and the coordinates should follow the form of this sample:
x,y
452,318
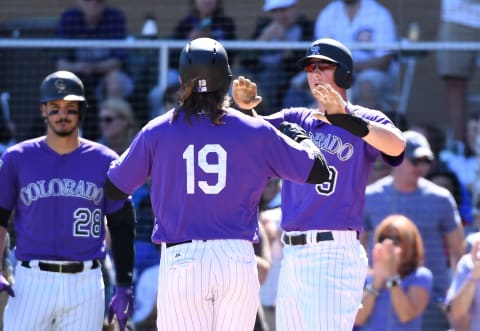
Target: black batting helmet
x,y
333,51
204,64
62,85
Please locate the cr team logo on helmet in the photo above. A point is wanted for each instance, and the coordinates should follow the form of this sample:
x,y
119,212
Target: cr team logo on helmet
x,y
333,51
204,64
62,85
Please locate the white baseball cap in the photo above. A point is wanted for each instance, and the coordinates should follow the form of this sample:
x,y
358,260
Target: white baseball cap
x,y
275,4
417,146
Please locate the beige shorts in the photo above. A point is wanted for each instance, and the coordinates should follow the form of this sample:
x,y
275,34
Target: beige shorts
x,y
457,63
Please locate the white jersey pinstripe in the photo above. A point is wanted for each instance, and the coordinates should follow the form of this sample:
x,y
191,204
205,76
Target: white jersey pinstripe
x,y
77,299
337,268
208,285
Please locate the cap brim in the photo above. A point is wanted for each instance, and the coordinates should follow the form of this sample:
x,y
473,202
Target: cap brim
x,y
303,62
421,152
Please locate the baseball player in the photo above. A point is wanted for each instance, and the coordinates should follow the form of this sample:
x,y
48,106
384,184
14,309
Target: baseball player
x,y
54,186
208,165
324,265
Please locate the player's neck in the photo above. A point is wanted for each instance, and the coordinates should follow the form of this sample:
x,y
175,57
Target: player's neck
x,y
63,145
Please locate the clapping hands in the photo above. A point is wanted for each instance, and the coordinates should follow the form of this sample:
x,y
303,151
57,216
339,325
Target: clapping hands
x,y
386,260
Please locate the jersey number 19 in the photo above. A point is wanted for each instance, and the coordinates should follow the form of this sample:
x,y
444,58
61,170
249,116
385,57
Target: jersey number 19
x,y
198,161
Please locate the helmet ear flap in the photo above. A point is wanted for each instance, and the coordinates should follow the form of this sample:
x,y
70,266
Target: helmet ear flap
x,y
83,106
342,76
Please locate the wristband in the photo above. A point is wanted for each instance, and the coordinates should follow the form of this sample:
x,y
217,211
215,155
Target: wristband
x,y
393,281
356,125
372,290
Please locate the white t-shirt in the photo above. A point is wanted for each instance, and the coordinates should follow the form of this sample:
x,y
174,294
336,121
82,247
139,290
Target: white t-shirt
x,y
373,23
464,12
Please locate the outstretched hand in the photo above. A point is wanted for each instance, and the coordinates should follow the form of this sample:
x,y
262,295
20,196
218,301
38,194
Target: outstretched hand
x,y
5,286
121,306
332,102
244,93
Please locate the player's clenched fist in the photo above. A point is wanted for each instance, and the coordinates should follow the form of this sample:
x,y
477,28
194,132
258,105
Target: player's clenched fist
x,y
245,93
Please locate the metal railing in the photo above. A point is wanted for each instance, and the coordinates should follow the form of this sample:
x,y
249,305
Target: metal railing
x,y
163,46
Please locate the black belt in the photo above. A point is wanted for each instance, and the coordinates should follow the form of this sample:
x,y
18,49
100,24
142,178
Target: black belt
x,y
180,242
301,239
68,268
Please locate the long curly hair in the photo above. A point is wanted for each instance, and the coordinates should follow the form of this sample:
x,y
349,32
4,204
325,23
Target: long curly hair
x,y
211,104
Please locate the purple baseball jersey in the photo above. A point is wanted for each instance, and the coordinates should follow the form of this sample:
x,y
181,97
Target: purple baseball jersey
x,y
206,180
338,203
58,200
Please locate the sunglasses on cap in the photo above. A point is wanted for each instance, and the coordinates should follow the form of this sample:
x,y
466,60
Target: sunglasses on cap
x,y
396,239
320,65
421,160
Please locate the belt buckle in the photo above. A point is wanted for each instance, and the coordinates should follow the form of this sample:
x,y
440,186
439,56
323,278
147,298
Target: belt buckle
x,y
311,237
60,266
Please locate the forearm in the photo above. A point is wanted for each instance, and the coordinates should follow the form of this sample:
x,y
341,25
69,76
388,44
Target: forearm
x,y
122,231
460,305
456,246
402,305
388,140
368,303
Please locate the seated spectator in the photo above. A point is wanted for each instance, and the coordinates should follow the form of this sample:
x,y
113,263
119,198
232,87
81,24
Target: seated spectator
x,y
273,69
7,128
375,71
117,124
143,67
100,69
398,286
163,101
459,22
463,298
462,158
204,19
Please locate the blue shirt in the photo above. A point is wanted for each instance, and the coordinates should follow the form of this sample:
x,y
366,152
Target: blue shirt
x,y
383,316
112,25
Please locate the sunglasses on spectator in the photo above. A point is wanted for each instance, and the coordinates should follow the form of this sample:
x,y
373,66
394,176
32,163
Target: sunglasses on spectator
x,y
421,160
320,65
106,119
396,239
